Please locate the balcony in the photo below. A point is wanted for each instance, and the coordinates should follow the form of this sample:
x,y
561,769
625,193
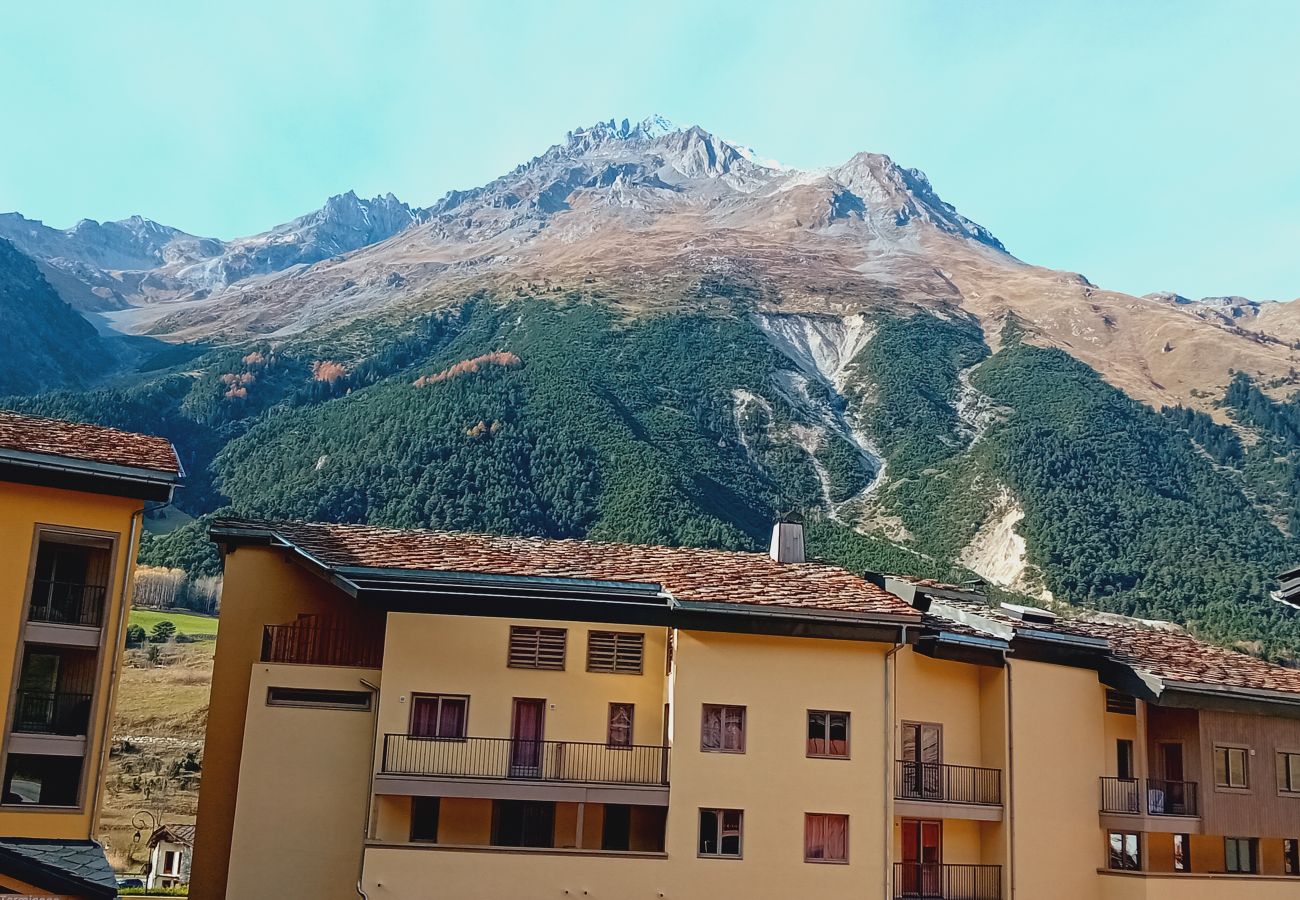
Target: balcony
x,y
942,783
67,603
311,644
947,882
506,759
1124,796
39,712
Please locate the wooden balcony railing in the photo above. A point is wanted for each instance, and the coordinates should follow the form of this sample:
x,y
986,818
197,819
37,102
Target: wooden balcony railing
x,y
1125,796
67,603
942,783
311,644
947,882
525,760
41,712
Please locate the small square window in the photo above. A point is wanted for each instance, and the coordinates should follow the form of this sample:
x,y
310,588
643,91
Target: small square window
x,y
825,838
439,716
721,832
1231,768
1125,851
723,729
828,733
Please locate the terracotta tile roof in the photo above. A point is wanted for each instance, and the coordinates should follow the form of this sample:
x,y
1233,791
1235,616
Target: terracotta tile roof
x,y
1177,656
93,443
689,574
1168,652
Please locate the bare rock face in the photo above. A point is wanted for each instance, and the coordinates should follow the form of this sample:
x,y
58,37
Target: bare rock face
x,y
651,217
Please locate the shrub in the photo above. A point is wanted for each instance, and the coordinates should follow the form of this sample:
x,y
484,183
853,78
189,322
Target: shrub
x,y
162,632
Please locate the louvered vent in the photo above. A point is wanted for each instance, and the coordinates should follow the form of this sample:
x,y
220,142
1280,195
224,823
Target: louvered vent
x,y
536,648
615,651
1120,703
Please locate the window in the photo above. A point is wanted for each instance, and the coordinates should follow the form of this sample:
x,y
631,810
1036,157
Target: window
x,y
1291,856
1119,703
620,725
1230,767
1182,853
439,716
1288,772
70,582
723,729
825,838
1124,758
536,648
282,696
615,651
424,818
1125,851
1240,854
828,733
171,862
42,780
720,832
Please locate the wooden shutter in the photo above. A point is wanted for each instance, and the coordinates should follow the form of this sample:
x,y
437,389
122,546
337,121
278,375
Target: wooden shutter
x,y
1120,703
615,651
536,648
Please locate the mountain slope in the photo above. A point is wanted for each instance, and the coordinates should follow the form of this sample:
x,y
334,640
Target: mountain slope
x,y
44,343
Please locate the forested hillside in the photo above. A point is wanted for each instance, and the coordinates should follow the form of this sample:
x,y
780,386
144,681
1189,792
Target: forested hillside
x,y
561,417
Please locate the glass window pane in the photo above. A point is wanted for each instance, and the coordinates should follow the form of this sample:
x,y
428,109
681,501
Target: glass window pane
x,y
730,843
708,831
839,734
711,733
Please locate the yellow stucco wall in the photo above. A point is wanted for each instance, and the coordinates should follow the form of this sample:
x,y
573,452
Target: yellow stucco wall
x,y
435,654
303,789
261,587
22,509
1058,741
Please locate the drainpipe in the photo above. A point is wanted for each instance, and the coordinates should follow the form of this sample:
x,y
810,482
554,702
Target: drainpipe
x,y
1011,780
370,790
890,668
115,649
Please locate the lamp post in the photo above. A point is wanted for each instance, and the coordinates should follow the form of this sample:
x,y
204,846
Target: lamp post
x,y
142,820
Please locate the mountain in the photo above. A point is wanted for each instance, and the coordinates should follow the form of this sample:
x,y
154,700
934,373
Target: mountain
x,y
648,333
44,342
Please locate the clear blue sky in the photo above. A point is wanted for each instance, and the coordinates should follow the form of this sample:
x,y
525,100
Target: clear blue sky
x,y
1149,145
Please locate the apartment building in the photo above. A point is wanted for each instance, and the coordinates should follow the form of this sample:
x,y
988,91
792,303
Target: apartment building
x,y
400,712
71,501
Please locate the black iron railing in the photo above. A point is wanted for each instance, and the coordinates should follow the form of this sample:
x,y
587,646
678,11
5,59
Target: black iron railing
x,y
947,882
507,758
947,784
38,712
1159,797
67,603
307,643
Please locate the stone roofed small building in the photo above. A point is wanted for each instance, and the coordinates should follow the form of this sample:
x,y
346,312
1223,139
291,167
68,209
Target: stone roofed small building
x,y
71,502
171,853
537,718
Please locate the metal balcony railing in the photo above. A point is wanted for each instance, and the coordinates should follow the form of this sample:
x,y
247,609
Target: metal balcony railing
x,y
943,783
527,760
947,882
39,712
311,644
1125,796
67,603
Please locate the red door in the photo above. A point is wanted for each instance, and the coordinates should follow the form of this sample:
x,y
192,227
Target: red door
x,y
526,738
922,858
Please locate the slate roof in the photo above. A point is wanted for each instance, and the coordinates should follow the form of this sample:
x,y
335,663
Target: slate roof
x,y
176,834
82,862
688,574
93,443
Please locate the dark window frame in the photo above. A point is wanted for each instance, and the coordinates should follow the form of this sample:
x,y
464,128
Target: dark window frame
x,y
826,860
1120,863
1228,750
313,698
1291,856
1186,862
436,816
1251,846
1288,773
418,697
720,814
722,724
610,743
826,724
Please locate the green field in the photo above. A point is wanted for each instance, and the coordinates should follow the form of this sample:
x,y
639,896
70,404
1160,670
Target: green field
x,y
189,623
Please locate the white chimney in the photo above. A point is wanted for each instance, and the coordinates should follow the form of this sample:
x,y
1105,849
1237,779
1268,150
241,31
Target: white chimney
x,y
787,542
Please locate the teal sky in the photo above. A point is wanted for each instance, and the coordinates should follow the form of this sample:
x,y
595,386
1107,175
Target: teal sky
x,y
1149,145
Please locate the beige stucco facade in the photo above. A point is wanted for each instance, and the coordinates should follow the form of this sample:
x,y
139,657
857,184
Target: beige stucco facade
x,y
313,806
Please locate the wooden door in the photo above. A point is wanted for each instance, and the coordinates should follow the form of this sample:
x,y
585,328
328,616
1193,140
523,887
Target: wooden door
x,y
526,728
